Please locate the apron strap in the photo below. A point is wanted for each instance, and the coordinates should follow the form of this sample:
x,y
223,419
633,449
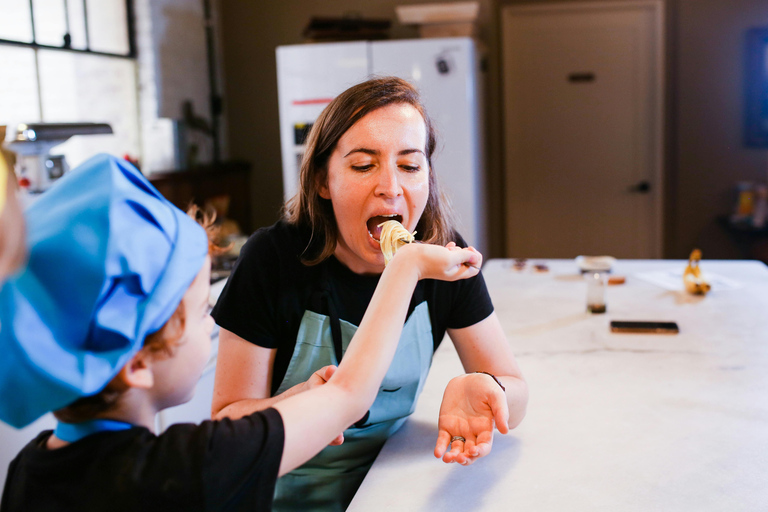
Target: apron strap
x,y
333,315
335,326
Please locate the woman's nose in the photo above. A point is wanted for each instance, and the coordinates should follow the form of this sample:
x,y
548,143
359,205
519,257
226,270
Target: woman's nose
x,y
389,182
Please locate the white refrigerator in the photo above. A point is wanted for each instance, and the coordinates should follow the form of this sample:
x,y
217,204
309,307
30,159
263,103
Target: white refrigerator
x,y
446,72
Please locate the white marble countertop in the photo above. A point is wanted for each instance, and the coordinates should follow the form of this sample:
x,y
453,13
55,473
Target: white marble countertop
x,y
629,422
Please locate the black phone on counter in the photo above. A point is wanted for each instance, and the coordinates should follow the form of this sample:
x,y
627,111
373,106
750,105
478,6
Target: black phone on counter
x,y
650,327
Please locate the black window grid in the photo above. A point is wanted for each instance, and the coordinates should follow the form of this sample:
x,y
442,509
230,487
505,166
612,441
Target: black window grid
x,y
66,43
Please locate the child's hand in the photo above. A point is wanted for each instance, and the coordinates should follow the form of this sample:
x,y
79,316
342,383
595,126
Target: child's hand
x,y
449,263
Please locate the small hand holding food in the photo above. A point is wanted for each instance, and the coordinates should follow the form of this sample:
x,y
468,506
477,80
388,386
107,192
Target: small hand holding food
x,y
472,403
434,261
319,378
443,263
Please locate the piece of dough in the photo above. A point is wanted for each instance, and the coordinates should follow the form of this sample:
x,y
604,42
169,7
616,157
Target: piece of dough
x,y
393,236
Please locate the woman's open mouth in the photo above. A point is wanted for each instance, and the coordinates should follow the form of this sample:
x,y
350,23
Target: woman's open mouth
x,y
374,231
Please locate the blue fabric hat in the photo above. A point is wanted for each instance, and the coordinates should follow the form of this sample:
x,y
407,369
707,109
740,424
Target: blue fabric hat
x,y
109,261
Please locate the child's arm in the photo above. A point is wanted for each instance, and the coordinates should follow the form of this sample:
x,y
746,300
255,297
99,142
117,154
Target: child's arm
x,y
313,418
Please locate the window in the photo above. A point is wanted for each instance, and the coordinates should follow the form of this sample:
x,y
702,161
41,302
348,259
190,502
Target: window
x,y
71,61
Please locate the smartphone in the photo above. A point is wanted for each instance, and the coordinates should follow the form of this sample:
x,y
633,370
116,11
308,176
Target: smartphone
x,y
644,327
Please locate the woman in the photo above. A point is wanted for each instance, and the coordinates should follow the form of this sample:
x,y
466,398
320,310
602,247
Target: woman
x,y
368,159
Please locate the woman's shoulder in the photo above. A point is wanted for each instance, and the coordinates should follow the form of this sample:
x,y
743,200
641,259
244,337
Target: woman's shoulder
x,y
281,239
456,237
451,290
281,231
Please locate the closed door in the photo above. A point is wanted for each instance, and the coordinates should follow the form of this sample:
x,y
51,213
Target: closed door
x,y
583,129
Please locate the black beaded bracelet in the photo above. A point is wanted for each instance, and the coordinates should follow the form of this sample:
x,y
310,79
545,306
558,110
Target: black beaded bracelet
x,y
496,379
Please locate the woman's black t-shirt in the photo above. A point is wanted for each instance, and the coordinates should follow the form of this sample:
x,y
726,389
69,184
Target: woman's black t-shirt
x,y
270,289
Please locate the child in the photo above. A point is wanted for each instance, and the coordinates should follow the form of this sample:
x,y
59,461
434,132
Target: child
x,y
108,324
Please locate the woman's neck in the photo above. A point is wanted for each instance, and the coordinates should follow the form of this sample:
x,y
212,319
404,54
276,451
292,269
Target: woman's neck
x,y
356,264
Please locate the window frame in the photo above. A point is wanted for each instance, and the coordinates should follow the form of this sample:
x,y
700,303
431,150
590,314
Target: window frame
x,y
66,45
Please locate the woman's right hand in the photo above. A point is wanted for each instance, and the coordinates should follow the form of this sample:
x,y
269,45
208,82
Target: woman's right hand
x,y
449,263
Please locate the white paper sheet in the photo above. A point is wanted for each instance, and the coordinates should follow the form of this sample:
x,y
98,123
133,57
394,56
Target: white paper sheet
x,y
673,280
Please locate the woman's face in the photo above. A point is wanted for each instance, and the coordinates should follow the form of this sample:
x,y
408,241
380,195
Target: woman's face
x,y
378,171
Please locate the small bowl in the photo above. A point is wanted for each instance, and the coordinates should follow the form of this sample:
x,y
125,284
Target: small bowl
x,y
595,263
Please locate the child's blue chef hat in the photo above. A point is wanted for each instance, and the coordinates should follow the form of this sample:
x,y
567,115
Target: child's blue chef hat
x,y
109,261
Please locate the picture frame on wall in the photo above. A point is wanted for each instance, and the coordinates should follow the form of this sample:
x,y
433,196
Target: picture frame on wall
x,y
756,88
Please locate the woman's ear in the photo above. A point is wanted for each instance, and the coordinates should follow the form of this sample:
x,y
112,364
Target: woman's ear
x,y
321,181
137,372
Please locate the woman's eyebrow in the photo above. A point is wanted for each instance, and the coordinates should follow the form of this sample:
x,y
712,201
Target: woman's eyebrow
x,y
376,152
363,150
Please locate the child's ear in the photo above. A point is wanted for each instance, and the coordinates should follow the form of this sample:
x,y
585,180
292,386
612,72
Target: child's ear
x,y
137,372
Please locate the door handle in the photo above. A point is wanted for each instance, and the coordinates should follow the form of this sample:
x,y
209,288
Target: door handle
x,y
642,187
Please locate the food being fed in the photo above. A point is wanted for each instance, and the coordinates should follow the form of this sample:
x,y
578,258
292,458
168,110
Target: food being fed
x,y
393,236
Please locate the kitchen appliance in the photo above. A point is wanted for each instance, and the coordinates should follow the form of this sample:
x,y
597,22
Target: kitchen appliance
x,y
446,72
36,168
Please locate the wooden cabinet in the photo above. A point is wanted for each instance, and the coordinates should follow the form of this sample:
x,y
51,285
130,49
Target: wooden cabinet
x,y
201,184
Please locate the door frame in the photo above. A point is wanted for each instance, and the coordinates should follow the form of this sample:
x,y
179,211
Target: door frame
x,y
656,7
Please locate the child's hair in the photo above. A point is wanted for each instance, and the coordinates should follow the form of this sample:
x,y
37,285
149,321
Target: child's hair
x,y
163,341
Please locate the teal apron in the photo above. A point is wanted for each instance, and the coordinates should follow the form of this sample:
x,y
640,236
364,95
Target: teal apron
x,y
328,481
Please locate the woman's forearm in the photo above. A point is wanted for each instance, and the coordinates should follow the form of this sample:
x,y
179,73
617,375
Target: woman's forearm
x,y
248,406
517,398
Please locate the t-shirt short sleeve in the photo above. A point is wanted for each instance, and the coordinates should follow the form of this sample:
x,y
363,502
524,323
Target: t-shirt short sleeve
x,y
243,461
462,303
247,305
471,303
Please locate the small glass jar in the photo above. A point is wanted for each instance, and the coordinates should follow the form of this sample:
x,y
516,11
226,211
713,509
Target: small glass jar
x,y
596,283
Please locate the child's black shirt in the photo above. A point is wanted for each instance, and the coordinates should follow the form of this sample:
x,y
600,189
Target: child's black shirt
x,y
218,465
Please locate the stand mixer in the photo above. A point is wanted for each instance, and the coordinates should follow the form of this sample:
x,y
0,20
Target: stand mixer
x,y
35,166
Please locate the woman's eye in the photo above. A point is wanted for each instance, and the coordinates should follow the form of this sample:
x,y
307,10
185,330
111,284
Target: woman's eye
x,y
362,167
410,168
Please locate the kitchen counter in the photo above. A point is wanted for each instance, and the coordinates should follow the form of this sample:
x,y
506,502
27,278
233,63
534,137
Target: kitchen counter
x,y
620,422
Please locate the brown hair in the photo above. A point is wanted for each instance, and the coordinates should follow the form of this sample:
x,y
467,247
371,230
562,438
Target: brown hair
x,y
308,209
162,341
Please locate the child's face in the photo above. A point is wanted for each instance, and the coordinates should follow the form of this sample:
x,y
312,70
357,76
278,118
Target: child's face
x,y
176,375
377,170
